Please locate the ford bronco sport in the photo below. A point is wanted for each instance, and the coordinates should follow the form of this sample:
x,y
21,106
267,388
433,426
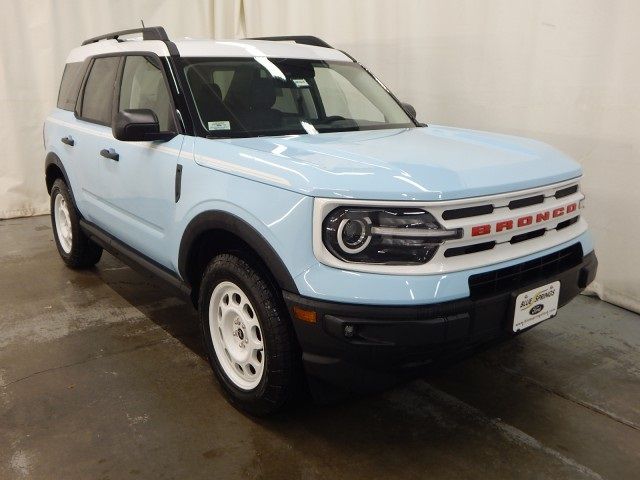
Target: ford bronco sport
x,y
323,233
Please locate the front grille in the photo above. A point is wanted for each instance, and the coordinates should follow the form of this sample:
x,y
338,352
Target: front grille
x,y
566,191
467,249
522,237
523,274
527,236
487,209
467,212
567,223
525,202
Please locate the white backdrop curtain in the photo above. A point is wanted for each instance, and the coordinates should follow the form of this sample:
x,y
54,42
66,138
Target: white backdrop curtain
x,y
563,71
35,38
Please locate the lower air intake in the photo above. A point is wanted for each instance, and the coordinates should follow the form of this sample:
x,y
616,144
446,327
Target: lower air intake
x,y
523,274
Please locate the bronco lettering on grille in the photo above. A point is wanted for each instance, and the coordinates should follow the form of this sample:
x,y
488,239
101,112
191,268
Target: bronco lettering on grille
x,y
524,221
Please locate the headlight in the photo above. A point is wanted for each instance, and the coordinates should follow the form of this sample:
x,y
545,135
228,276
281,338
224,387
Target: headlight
x,y
400,236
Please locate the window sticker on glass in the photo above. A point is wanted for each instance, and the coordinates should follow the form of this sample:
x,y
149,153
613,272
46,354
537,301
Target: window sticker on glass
x,y
299,82
220,125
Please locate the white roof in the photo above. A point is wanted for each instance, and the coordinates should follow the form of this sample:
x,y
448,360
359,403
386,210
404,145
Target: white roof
x,y
78,54
210,48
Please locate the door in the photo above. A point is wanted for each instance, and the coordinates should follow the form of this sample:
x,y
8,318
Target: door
x,y
140,186
92,130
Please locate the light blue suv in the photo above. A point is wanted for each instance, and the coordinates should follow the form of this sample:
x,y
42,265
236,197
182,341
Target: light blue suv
x,y
327,238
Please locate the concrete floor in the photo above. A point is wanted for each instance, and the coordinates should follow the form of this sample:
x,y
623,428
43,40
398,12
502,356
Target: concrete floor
x,y
102,376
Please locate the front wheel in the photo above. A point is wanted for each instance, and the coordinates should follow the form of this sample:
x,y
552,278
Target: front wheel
x,y
248,336
74,247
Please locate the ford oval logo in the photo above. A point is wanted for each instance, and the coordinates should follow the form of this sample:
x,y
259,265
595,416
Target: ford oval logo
x,y
536,309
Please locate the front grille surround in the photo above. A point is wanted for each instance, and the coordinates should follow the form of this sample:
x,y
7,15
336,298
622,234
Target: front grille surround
x,y
475,251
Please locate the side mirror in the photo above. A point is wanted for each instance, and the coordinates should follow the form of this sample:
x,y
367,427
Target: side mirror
x,y
138,125
409,109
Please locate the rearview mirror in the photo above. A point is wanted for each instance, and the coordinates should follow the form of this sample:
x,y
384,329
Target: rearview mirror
x,y
294,68
138,125
409,109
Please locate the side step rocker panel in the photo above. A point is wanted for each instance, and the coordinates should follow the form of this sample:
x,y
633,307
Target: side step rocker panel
x,y
134,259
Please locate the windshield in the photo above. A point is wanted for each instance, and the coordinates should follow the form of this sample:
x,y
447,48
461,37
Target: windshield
x,y
271,96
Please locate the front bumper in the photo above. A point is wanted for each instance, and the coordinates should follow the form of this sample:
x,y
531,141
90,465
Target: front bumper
x,y
384,345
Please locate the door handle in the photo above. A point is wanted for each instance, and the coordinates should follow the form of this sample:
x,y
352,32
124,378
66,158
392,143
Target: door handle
x,y
68,140
110,153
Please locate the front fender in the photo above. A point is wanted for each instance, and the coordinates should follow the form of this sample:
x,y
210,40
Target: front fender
x,y
223,220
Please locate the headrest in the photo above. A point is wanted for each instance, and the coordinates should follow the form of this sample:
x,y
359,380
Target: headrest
x,y
199,82
263,94
215,90
195,76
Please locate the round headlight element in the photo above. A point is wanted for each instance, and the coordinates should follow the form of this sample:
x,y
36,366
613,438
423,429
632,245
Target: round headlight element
x,y
354,234
383,235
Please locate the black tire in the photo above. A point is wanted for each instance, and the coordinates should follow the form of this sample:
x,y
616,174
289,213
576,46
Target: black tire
x,y
280,385
83,252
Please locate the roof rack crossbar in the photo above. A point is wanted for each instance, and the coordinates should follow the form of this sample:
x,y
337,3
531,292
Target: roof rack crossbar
x,y
302,39
148,33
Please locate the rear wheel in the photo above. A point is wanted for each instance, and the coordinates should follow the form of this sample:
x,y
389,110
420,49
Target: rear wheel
x,y
74,246
248,336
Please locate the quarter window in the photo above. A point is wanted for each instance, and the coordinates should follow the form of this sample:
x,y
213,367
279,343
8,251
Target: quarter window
x,y
70,85
143,86
98,91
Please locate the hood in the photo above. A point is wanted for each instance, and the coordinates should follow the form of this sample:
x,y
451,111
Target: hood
x,y
430,163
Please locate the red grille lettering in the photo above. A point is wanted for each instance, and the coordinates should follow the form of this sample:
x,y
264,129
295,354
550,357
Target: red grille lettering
x,y
504,225
480,230
542,217
524,221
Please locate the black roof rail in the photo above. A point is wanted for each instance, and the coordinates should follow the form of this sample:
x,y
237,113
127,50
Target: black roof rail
x,y
148,33
302,39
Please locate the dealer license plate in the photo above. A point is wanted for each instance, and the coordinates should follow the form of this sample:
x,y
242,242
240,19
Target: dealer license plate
x,y
535,306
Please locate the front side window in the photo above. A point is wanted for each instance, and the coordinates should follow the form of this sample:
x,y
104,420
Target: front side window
x,y
143,86
270,96
98,90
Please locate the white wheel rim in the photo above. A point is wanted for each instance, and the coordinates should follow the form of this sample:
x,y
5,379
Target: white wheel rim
x,y
63,223
236,335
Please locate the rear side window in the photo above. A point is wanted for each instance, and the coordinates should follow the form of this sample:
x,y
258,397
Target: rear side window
x,y
70,85
98,91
